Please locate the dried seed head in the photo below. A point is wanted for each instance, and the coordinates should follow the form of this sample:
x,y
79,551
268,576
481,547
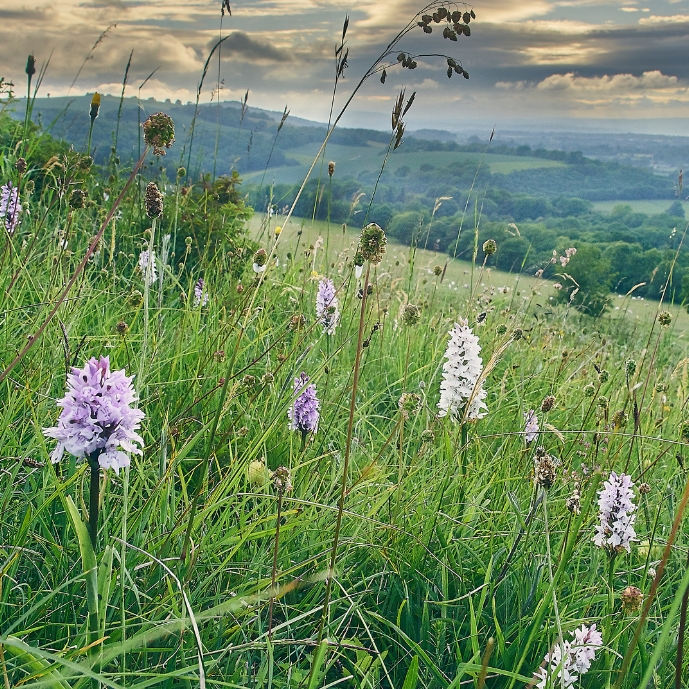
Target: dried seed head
x,y
249,381
20,166
548,403
545,470
282,480
85,163
631,598
372,243
331,168
122,328
159,132
153,200
411,314
297,322
77,199
219,356
408,404
31,65
665,318
644,488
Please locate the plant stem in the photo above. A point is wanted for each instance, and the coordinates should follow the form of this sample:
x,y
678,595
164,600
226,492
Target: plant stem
x,y
348,449
273,576
94,498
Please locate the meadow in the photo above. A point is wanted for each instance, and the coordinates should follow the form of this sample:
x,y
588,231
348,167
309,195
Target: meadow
x,y
341,461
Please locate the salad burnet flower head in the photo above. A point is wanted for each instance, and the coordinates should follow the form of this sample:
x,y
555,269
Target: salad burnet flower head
x,y
567,662
10,206
615,530
98,418
327,310
461,373
304,412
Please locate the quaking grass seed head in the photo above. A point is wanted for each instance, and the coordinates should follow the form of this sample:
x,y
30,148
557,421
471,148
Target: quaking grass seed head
x,y
372,243
159,132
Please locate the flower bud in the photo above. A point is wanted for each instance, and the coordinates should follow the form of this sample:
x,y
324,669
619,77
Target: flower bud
x,y
95,106
258,473
665,318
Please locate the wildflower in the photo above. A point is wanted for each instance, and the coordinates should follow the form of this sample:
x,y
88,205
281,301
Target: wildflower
x,y
665,318
539,273
277,230
200,293
260,261
573,502
258,473
20,165
548,403
616,528
358,263
408,404
327,310
136,298
589,390
568,661
304,414
159,132
644,488
490,247
153,200
461,372
98,419
631,597
282,480
438,271
147,266
411,314
372,243
531,428
10,206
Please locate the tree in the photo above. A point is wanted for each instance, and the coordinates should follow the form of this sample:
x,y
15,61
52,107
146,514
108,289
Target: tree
x,y
586,280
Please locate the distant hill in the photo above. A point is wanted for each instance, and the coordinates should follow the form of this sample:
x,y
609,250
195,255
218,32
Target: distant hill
x,y
432,163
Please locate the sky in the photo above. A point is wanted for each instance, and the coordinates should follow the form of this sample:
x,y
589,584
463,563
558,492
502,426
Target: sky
x,y
608,65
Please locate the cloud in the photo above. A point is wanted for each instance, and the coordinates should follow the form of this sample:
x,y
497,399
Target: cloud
x,y
615,83
656,19
251,49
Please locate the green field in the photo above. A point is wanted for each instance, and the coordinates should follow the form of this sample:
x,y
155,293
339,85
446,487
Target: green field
x,y
352,161
648,207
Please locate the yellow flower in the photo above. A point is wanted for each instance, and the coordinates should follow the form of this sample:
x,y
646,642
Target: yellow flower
x,y
277,230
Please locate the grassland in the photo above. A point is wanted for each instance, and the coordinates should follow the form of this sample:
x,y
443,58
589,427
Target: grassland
x,y
648,207
373,542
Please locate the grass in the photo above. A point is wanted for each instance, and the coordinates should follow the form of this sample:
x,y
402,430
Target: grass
x,y
461,552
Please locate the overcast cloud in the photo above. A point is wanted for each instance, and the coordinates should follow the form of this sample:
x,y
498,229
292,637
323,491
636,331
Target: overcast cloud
x,y
531,62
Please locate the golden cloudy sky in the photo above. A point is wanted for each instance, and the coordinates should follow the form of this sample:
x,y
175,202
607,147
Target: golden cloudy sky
x,y
530,61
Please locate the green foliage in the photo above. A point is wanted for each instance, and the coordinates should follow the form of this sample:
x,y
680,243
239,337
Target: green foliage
x,y
586,281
